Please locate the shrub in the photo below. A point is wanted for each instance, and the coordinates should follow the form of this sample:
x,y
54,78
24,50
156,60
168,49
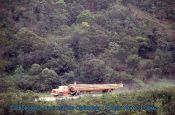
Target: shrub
x,y
95,71
133,61
85,16
35,69
48,73
27,41
141,39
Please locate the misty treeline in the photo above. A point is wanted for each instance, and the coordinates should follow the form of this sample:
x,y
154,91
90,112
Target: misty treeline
x,y
47,43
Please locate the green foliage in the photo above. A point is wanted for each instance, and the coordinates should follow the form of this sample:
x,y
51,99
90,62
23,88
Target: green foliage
x,y
21,98
81,39
61,60
125,77
35,69
81,45
4,41
3,64
19,70
141,39
5,85
38,79
93,41
133,61
61,2
68,77
140,83
48,73
161,98
85,16
162,9
95,71
28,41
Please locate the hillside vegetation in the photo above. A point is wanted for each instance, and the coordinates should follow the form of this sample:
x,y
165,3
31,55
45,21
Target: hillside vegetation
x,y
48,43
51,42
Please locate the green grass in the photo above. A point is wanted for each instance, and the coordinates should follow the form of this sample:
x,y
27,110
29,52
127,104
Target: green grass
x,y
160,84
47,94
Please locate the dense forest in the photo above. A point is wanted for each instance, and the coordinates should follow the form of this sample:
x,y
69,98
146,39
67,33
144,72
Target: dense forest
x,y
48,43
